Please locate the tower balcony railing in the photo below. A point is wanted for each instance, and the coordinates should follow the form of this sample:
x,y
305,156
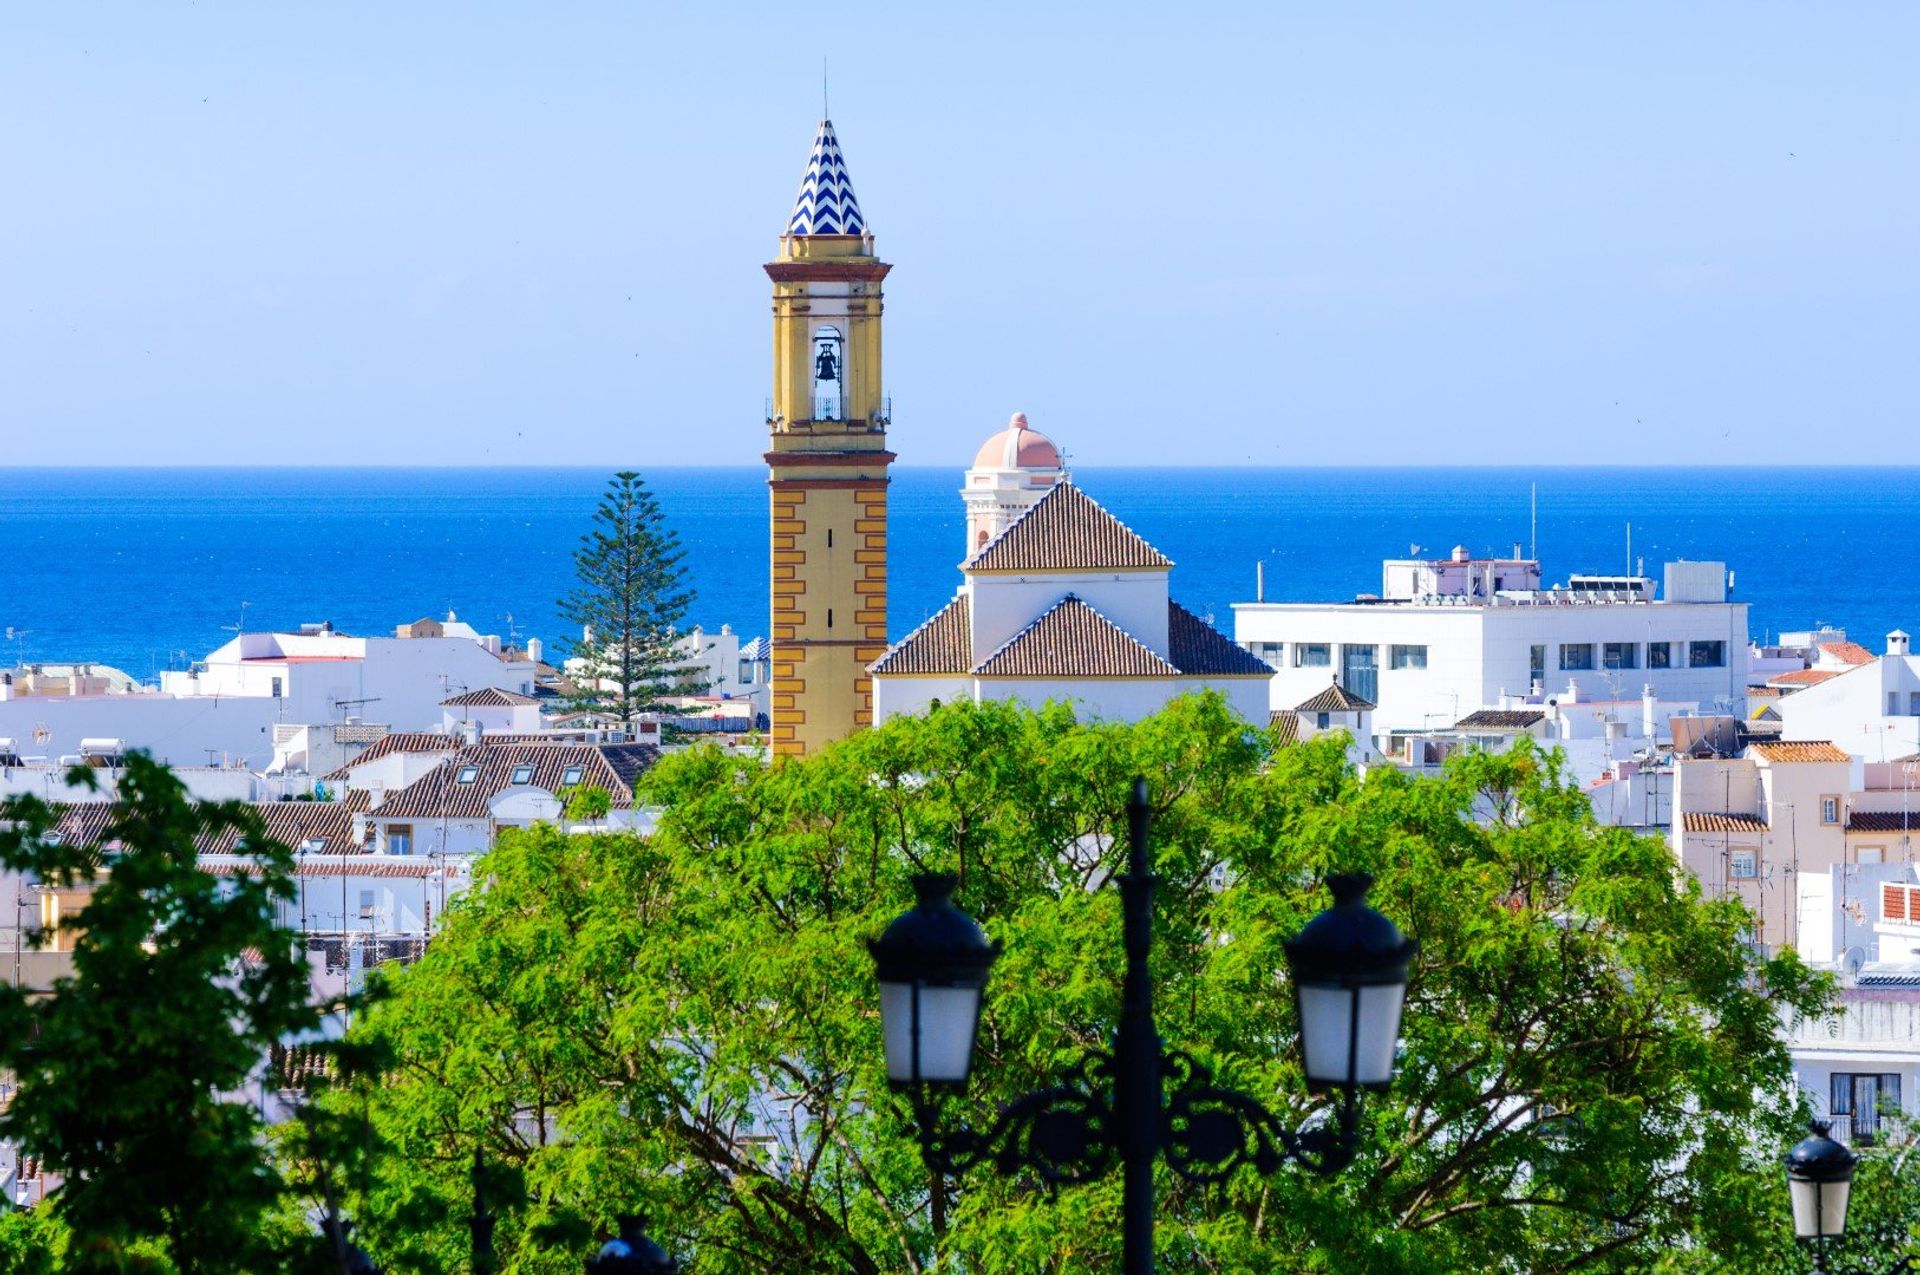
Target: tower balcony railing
x,y
832,407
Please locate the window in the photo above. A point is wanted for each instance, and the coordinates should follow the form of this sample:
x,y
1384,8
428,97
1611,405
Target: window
x,y
1659,655
1274,653
1706,655
829,537
399,838
1313,655
1865,1097
1829,810
829,617
1872,854
1620,655
313,845
1741,863
1537,663
276,688
1893,703
1407,657
522,774
1324,721
1576,655
1899,903
366,905
572,775
467,775
1913,703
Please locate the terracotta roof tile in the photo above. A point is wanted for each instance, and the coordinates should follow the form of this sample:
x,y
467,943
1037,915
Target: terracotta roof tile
x,y
1805,677
1707,821
1073,640
1798,751
419,742
1335,699
1847,652
489,697
328,823
1198,649
1285,724
1066,530
439,794
1501,719
1883,821
944,644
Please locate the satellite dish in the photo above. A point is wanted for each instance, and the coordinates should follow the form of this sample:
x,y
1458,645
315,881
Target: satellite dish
x,y
1851,959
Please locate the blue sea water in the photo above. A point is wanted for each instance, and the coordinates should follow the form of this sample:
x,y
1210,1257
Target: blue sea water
x,y
142,568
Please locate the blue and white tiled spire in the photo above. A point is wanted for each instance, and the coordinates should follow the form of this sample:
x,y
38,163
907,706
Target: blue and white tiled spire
x,y
826,205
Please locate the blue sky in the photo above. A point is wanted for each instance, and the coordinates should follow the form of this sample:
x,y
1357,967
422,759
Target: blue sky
x,y
1193,234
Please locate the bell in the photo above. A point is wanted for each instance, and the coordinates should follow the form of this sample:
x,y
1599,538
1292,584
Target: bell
x,y
826,367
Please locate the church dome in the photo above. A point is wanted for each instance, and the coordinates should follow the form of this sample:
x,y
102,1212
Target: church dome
x,y
1017,447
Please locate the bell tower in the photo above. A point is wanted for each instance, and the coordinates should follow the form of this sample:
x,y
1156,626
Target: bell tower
x,y
827,462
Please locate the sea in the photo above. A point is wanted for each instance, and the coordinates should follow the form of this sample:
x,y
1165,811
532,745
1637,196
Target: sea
x,y
147,569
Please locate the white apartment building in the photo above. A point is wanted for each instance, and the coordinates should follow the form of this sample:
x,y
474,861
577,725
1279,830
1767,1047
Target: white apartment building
x,y
228,708
1869,706
1445,637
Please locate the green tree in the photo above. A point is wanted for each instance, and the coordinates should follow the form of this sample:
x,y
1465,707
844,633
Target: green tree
x,y
130,1074
631,596
686,1025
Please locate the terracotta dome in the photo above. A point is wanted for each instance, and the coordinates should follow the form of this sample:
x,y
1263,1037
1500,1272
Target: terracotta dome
x,y
1017,447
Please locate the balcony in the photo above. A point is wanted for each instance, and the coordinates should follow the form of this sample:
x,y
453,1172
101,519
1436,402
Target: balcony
x,y
1871,1131
831,408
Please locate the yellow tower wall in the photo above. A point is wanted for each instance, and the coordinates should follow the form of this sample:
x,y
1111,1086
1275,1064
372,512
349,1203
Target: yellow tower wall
x,y
828,487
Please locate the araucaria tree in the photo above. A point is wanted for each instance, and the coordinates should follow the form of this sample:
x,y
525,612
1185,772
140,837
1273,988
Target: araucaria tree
x,y
130,1075
632,593
685,1025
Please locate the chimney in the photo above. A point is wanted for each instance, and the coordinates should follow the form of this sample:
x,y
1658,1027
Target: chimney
x,y
1898,642
470,733
1649,713
534,650
1460,553
6,687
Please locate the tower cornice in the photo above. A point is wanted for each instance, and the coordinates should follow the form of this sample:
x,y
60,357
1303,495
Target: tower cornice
x,y
831,270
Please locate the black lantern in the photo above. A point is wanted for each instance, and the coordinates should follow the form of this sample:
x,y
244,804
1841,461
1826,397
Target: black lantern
x,y
932,965
1819,1178
1350,981
632,1253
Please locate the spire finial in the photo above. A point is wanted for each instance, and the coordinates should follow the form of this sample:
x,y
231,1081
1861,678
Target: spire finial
x,y
826,112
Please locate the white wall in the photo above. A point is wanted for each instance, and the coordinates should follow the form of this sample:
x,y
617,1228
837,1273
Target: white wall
x,y
1475,653
1004,604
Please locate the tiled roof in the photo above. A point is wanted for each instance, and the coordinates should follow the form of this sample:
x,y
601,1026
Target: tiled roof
x,y
488,697
1805,677
1883,821
291,823
1065,530
418,742
1707,821
1847,652
1285,724
1335,699
439,794
1198,649
944,644
825,204
1798,750
1073,640
1501,719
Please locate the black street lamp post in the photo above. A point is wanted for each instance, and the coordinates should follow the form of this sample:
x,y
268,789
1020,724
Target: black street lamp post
x,y
1820,1184
1349,969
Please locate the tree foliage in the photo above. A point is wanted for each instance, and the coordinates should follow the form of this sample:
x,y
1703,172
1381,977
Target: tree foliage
x,y
630,597
685,1025
130,1075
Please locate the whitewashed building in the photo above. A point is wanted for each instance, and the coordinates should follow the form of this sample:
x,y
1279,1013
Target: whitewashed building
x,y
1064,603
234,707
1869,706
1445,637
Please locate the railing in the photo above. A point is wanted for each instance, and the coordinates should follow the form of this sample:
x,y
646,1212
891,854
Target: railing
x,y
832,407
1874,1130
